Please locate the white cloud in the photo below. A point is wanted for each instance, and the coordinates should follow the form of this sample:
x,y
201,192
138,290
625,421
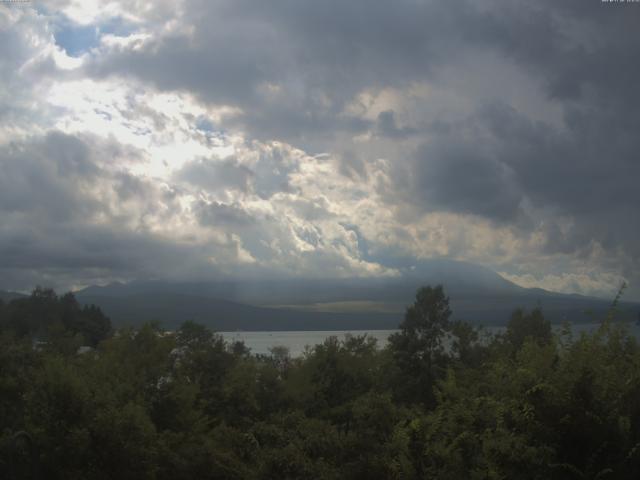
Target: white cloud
x,y
604,285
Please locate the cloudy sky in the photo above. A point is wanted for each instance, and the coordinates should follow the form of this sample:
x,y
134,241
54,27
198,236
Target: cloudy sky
x,y
205,138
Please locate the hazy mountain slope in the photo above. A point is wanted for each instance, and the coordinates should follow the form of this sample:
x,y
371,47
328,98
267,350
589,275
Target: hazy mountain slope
x,y
8,296
173,309
477,294
457,278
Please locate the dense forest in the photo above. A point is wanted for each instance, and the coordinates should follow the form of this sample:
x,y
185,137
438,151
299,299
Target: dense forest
x,y
79,400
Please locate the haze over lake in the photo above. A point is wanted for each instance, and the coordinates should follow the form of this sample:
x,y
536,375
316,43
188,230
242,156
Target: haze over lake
x,y
298,341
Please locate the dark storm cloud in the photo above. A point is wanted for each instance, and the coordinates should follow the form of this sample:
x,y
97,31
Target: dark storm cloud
x,y
131,187
351,165
292,66
62,256
387,126
42,177
84,246
216,175
223,216
268,174
584,168
456,177
584,171
48,200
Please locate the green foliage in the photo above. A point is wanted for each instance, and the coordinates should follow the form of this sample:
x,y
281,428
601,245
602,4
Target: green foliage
x,y
441,401
417,349
59,321
523,326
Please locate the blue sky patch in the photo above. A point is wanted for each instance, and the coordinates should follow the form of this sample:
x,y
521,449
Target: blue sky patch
x,y
77,39
204,124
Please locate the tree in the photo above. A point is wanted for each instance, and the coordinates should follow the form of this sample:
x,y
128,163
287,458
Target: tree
x,y
531,325
281,359
464,344
194,335
61,321
417,348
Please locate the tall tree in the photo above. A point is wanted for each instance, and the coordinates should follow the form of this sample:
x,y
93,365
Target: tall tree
x,y
417,348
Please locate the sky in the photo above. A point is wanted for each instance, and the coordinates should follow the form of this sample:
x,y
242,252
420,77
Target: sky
x,y
192,139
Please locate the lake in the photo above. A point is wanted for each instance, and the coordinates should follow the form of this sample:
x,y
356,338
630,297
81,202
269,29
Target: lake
x,y
297,341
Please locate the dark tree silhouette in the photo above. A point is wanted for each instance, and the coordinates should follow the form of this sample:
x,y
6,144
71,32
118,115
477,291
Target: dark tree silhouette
x,y
418,346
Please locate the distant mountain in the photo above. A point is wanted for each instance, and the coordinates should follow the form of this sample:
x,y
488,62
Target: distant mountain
x,y
456,277
171,309
477,294
8,296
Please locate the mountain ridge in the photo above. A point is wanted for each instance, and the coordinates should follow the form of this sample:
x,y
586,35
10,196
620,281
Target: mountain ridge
x,y
477,294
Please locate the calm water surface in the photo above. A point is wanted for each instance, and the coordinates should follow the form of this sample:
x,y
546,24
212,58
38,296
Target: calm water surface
x,y
261,342
297,341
